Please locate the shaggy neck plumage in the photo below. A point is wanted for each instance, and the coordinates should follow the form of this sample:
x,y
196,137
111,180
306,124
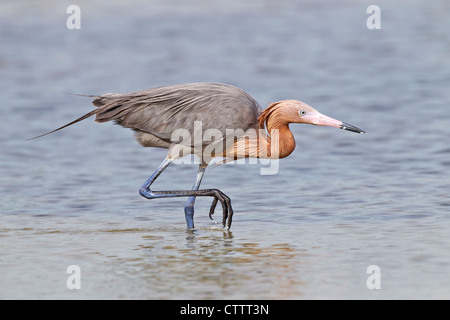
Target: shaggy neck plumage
x,y
281,141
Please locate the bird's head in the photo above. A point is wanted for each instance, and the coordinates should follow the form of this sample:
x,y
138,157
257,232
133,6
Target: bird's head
x,y
294,111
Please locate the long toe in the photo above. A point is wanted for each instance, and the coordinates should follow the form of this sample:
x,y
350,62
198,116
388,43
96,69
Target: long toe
x,y
213,207
227,210
218,195
230,216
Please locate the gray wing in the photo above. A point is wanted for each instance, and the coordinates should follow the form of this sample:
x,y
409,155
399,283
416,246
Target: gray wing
x,y
161,111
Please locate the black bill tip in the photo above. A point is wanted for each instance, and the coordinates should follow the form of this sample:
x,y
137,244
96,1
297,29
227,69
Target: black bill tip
x,y
349,127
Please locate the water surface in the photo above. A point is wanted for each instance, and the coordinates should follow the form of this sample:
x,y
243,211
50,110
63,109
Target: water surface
x,y
340,203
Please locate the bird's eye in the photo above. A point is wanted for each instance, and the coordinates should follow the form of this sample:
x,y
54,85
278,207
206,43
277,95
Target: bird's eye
x,y
302,112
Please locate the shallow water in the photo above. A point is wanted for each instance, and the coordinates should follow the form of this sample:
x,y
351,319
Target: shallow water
x,y
340,203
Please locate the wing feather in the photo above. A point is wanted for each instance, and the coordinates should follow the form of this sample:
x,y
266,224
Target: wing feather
x,y
161,111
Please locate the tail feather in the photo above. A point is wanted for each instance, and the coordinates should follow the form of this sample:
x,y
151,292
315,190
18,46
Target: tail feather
x,y
108,113
87,115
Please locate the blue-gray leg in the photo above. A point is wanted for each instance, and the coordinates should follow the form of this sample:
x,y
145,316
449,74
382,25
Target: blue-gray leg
x,y
189,207
145,188
192,194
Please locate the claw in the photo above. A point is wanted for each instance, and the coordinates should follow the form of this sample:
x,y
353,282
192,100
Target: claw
x,y
227,211
219,197
230,210
213,207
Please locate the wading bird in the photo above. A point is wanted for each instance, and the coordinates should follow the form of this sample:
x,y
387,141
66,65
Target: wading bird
x,y
156,114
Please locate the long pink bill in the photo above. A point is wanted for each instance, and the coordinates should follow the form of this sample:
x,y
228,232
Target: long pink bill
x,y
323,120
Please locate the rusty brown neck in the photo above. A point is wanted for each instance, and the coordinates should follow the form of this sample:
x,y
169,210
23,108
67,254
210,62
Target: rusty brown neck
x,y
281,141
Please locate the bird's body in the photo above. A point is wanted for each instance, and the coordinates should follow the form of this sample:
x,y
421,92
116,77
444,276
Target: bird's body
x,y
210,120
154,114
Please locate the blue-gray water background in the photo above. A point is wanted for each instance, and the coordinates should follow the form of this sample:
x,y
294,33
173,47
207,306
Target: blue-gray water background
x,y
340,203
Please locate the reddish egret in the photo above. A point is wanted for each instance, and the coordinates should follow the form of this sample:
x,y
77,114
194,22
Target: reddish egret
x,y
156,114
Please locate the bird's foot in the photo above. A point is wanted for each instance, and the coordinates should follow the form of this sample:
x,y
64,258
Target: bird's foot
x,y
189,210
227,210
